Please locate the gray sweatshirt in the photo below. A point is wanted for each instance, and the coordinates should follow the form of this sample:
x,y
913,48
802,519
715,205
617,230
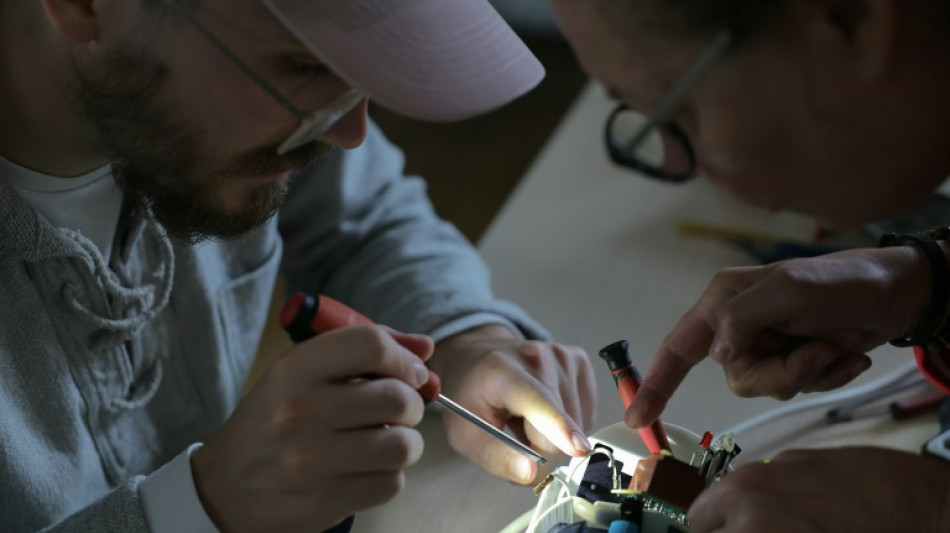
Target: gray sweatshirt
x,y
109,371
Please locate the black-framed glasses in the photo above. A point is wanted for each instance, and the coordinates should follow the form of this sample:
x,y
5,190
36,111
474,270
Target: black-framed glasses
x,y
312,125
653,144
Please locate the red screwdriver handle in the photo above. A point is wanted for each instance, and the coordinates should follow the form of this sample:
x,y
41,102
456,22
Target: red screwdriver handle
x,y
628,383
305,316
628,380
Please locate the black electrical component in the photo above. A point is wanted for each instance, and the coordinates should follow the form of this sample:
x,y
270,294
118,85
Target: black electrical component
x,y
598,479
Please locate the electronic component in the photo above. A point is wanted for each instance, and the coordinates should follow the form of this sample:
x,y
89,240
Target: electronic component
x,y
668,479
653,515
628,484
620,481
601,479
715,464
623,526
703,450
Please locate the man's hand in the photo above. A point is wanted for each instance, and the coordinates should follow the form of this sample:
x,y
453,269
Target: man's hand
x,y
545,393
860,490
798,326
313,442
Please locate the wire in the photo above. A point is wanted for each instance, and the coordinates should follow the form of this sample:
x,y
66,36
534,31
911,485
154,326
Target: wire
x,y
849,410
520,524
533,526
564,482
898,374
565,492
615,478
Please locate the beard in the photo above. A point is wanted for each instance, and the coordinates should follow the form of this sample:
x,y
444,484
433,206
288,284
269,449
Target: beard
x,y
159,161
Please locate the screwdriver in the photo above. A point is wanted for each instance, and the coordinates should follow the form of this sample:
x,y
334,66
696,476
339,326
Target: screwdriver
x,y
304,316
628,380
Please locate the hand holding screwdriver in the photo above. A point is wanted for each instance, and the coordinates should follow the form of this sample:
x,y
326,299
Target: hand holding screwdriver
x,y
304,316
311,443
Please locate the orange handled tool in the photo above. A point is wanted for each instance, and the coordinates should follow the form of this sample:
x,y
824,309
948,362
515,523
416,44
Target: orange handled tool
x,y
627,379
305,316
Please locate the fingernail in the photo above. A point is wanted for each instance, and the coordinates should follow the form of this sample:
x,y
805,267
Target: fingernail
x,y
581,443
420,374
520,468
718,350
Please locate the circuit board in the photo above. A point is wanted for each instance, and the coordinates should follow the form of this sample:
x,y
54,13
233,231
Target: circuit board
x,y
620,482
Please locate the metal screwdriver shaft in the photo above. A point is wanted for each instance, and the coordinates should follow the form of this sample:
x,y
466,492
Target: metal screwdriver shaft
x,y
485,426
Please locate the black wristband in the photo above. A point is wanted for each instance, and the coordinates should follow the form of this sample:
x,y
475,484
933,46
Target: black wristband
x,y
929,326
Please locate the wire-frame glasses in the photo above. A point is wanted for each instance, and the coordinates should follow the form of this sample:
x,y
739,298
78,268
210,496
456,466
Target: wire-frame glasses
x,y
312,125
653,144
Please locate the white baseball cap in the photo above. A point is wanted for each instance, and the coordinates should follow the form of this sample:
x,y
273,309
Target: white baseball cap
x,y
428,59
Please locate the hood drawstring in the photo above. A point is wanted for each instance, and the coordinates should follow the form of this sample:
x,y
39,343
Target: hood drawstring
x,y
150,299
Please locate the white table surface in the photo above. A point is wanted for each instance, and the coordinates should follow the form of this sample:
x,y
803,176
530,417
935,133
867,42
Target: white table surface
x,y
592,252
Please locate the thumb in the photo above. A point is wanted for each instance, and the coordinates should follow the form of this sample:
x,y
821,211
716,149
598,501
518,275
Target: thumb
x,y
491,455
543,412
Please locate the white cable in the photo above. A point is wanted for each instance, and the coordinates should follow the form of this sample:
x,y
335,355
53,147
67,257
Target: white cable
x,y
520,524
550,510
566,486
563,494
895,376
565,491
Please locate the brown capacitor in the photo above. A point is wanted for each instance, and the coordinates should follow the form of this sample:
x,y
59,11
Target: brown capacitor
x,y
667,479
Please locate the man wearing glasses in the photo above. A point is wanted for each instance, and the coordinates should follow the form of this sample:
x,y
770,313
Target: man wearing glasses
x,y
833,108
146,146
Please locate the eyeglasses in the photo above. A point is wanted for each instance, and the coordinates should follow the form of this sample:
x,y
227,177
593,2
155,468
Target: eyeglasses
x,y
653,144
312,125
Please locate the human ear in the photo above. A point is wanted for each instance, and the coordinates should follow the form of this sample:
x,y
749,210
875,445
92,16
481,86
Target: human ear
x,y
76,19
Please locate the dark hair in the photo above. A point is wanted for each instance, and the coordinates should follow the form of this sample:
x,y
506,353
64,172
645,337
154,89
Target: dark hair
x,y
704,18
750,18
164,13
160,4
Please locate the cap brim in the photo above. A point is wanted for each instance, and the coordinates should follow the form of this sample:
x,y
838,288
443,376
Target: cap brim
x,y
428,59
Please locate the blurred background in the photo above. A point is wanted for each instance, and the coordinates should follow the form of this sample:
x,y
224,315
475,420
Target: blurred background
x,y
472,166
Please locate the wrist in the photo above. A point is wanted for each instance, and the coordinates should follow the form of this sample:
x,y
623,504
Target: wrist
x,y
484,334
925,290
170,501
942,337
912,288
199,473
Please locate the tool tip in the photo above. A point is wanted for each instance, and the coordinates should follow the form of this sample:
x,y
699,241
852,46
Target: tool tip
x,y
617,354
